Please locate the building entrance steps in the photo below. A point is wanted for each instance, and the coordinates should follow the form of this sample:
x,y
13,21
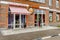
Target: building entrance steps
x,y
26,30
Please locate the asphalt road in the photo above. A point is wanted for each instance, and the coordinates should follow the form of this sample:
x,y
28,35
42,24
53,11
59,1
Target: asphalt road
x,y
32,35
53,38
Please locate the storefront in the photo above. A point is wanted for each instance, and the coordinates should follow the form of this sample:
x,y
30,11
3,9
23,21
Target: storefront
x,y
17,17
39,17
20,16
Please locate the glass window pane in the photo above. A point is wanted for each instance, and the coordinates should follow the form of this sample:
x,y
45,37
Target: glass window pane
x,y
50,2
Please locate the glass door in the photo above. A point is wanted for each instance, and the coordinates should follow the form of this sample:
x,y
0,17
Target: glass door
x,y
17,22
39,20
10,20
23,24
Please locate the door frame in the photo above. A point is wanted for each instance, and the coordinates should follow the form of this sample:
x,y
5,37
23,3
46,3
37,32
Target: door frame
x,y
42,22
20,22
15,21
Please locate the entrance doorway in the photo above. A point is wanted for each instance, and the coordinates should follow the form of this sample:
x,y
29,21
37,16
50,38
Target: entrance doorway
x,y
39,20
17,23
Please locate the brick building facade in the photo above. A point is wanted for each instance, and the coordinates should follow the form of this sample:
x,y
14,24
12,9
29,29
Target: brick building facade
x,y
44,13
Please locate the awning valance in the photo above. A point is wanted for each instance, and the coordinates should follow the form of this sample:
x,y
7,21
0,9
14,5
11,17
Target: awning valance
x,y
17,10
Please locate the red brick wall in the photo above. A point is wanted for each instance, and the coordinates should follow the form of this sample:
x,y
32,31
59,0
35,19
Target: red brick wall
x,y
47,17
30,20
54,17
4,16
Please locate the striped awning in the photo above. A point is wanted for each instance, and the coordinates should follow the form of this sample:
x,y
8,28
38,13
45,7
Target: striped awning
x,y
18,10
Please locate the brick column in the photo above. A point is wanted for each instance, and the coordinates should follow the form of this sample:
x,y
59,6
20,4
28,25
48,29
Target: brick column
x,y
4,16
30,20
47,18
54,17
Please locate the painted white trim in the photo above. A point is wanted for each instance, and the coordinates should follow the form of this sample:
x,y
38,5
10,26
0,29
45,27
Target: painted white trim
x,y
14,21
20,20
47,8
42,19
6,2
43,7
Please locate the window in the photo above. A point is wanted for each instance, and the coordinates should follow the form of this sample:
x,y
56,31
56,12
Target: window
x,y
37,11
50,16
57,17
42,11
42,1
57,3
50,2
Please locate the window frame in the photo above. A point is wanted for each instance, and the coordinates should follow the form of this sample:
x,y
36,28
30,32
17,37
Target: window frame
x,y
40,1
50,2
50,15
57,3
57,19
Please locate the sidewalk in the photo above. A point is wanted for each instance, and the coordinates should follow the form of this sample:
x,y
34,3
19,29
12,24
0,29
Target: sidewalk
x,y
30,35
26,30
